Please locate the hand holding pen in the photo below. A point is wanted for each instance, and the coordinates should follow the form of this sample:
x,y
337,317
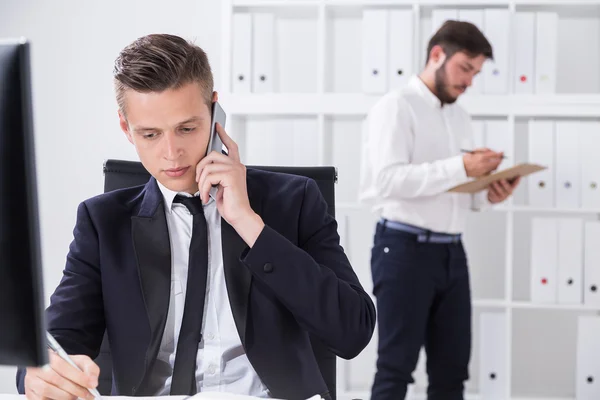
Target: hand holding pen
x,y
480,162
65,378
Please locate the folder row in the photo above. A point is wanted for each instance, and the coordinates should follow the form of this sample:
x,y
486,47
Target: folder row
x,y
565,261
535,48
494,347
253,47
569,150
388,49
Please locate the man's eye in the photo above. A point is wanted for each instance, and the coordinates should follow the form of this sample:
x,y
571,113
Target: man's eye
x,y
187,130
149,135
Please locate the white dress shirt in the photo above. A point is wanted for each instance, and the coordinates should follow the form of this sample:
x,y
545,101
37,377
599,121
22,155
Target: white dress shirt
x,y
411,157
222,364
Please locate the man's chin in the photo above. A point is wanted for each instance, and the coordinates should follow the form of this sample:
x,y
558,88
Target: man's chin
x,y
182,184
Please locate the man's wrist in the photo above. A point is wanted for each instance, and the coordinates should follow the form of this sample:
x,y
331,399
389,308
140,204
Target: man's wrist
x,y
249,227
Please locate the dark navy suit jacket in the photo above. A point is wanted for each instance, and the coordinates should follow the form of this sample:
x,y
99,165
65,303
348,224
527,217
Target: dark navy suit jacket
x,y
294,281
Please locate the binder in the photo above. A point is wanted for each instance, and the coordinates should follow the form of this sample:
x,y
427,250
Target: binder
x,y
263,66
541,151
591,275
524,77
546,53
375,47
568,165
544,264
499,138
570,261
241,60
493,351
589,143
478,134
495,72
587,386
401,49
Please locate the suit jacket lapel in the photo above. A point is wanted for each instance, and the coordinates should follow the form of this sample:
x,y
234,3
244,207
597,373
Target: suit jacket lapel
x,y
153,255
238,277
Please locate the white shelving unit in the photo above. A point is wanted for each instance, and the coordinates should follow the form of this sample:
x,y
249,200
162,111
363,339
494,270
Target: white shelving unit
x,y
326,106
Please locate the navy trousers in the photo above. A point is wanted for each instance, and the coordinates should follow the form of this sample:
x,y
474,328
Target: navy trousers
x,y
423,299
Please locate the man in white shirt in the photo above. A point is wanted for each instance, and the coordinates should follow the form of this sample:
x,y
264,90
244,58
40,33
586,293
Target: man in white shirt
x,y
412,156
198,291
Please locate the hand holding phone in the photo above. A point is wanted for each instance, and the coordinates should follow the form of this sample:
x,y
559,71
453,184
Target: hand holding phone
x,y
224,175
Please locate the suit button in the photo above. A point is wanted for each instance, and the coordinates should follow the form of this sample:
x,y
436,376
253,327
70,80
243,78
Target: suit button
x,y
268,267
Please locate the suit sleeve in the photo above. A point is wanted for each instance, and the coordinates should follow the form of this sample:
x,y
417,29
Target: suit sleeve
x,y
315,280
75,316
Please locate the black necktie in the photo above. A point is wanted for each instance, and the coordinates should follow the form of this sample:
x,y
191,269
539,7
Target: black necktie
x,y
184,370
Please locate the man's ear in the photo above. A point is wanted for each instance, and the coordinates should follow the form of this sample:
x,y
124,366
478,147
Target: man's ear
x,y
215,97
437,56
125,126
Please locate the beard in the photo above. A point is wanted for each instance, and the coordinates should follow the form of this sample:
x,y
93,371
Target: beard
x,y
442,86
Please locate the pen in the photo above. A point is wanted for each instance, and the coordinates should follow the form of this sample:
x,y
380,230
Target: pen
x,y
53,344
473,152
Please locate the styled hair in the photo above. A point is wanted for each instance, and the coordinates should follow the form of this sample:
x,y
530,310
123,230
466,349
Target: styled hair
x,y
159,62
460,36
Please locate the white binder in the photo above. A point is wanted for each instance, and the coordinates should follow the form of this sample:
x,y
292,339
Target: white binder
x,y
495,72
570,261
544,263
589,143
401,49
493,353
524,77
263,66
498,138
568,165
476,18
441,15
546,52
478,134
587,386
375,47
541,151
241,59
591,274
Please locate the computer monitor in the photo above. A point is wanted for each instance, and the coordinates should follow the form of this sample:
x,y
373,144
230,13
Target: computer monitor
x,y
22,322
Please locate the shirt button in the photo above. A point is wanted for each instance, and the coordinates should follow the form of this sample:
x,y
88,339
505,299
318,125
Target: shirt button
x,y
210,336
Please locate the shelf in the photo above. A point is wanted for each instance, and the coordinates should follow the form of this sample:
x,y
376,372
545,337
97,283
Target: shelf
x,y
519,209
359,104
423,396
276,3
382,3
565,307
528,209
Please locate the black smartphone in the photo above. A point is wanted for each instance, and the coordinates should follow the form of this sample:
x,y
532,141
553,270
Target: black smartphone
x,y
215,143
218,115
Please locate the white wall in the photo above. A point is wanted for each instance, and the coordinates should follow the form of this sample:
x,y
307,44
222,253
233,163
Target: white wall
x,y
74,44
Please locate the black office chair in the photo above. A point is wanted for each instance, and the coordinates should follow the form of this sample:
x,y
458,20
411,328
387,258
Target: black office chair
x,y
120,174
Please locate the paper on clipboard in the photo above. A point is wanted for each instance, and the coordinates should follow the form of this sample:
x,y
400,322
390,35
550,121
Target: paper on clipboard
x,y
482,183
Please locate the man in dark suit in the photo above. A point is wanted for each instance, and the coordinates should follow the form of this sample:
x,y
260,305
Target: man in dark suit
x,y
198,291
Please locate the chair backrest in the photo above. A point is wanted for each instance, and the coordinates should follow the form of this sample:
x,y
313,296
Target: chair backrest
x,y
120,174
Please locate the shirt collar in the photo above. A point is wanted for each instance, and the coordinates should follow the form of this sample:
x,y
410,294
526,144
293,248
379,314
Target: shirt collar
x,y
416,83
169,196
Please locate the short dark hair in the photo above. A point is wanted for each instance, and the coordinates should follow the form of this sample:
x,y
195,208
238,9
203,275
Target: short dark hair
x,y
158,62
460,36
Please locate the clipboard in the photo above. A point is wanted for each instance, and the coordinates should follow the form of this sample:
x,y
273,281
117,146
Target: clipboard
x,y
483,182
